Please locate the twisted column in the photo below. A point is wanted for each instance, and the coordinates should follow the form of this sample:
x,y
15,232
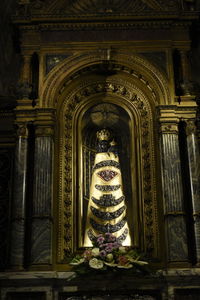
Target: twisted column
x,y
194,170
41,240
174,214
19,196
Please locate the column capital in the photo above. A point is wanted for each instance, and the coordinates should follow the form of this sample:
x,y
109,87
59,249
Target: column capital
x,y
168,119
44,131
44,122
169,127
22,130
190,127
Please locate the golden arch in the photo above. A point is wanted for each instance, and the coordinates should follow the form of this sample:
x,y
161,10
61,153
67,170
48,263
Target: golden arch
x,y
139,68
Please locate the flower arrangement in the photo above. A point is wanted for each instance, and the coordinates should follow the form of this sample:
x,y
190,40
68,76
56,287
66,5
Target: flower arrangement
x,y
108,254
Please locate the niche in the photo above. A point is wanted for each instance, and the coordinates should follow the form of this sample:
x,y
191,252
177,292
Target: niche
x,y
123,127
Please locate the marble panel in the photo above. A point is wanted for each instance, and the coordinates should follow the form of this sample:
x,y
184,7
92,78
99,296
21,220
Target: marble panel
x,y
41,241
171,173
194,169
177,238
197,236
43,176
41,245
194,166
18,205
20,177
17,243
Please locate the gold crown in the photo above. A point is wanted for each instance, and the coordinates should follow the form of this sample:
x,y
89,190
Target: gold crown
x,y
103,135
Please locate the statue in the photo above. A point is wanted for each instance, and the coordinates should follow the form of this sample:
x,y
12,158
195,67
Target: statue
x,y
106,208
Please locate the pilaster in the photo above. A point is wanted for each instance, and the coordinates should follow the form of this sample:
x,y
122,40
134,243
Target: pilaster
x,y
173,202
194,170
19,198
41,240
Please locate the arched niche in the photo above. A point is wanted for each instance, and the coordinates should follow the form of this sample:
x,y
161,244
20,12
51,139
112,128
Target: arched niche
x,y
73,131
120,123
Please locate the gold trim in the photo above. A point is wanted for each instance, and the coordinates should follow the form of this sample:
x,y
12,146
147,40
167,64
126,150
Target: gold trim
x,y
134,105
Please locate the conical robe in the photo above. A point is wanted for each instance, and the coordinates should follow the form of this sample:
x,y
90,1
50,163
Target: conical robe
x,y
106,208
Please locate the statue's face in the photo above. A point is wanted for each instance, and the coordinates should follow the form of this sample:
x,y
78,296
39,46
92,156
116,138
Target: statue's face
x,y
103,146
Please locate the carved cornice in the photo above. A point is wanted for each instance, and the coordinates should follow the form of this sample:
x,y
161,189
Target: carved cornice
x,y
67,24
80,9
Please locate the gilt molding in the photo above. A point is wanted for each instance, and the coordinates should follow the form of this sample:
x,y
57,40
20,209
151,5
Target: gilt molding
x,y
138,67
66,205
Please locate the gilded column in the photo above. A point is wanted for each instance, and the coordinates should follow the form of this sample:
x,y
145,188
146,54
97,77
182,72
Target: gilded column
x,y
174,214
41,240
194,169
19,196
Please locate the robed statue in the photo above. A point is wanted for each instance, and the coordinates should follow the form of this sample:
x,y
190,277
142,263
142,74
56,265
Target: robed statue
x,y
107,206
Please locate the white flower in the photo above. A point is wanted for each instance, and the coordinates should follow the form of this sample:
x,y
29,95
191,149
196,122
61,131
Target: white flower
x,y
140,262
122,249
96,263
109,257
128,266
76,261
110,264
95,251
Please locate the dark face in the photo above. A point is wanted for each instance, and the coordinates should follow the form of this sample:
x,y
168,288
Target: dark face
x,y
102,146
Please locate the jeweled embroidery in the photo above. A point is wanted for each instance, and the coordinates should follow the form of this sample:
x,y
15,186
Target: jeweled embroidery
x,y
107,215
123,236
108,227
107,175
107,188
108,200
107,163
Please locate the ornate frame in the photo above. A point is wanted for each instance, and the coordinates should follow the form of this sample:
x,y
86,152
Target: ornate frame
x,y
136,103
138,87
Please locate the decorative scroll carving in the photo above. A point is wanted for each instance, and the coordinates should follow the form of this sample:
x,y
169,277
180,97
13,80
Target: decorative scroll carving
x,y
149,201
